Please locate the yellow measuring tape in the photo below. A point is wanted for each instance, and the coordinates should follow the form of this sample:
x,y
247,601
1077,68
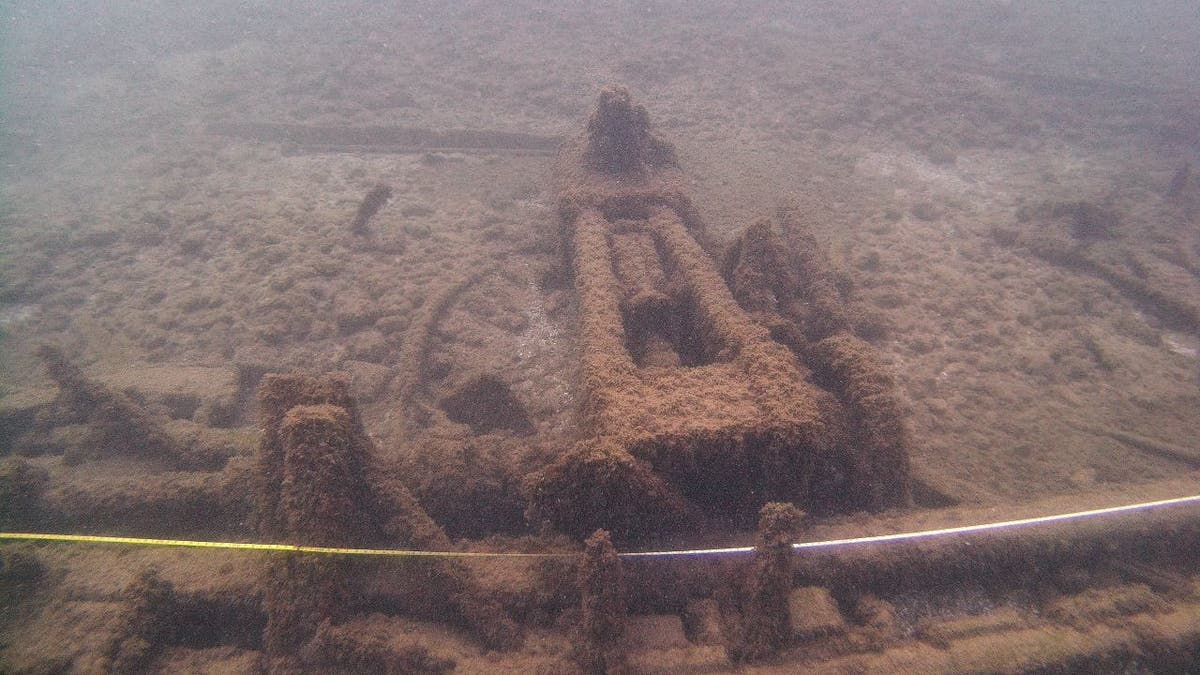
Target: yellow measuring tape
x,y
250,546
831,543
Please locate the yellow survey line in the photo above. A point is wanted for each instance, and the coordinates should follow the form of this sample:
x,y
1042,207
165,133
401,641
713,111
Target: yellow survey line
x,y
831,543
251,546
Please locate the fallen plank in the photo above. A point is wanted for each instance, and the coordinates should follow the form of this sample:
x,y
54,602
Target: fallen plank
x,y
380,139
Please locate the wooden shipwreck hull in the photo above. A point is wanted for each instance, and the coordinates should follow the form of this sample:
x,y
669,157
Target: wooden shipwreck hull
x,y
692,409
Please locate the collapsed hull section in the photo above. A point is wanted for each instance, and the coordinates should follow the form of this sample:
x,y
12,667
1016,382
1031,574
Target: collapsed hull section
x,y
681,377
681,387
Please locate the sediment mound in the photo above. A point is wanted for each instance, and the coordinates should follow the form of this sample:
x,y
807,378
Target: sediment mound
x,y
598,482
789,288
484,403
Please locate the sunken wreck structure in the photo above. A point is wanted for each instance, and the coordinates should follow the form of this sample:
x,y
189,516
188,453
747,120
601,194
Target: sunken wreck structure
x,y
704,396
716,388
321,481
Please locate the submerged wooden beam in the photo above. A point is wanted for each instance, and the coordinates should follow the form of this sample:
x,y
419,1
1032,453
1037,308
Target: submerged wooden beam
x,y
388,139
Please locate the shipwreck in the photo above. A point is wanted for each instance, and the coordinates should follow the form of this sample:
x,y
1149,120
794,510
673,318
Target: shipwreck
x,y
704,397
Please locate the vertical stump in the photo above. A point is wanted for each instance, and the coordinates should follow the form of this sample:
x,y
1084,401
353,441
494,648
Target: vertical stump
x,y
321,484
766,624
602,621
314,491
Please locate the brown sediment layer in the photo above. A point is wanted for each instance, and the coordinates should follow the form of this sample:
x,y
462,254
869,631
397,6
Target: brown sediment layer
x,y
692,396
334,649
1160,642
1191,457
1179,182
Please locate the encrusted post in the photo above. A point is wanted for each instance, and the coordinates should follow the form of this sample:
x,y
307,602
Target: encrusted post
x,y
619,137
319,500
150,606
371,203
766,624
321,484
602,624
